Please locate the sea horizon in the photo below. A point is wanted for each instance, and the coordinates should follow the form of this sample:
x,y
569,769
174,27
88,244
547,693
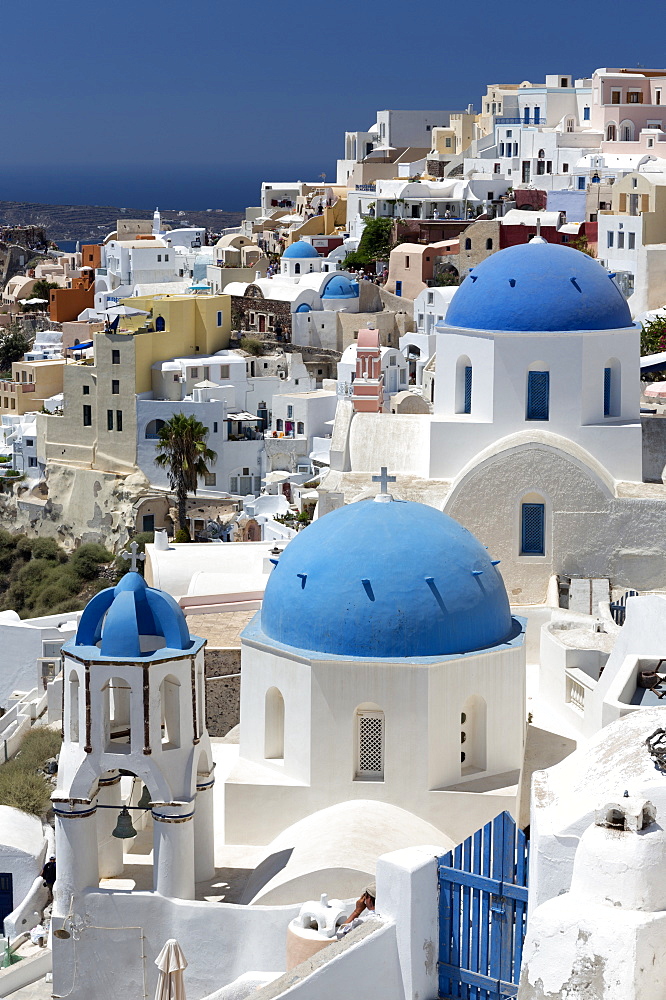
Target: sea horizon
x,y
230,187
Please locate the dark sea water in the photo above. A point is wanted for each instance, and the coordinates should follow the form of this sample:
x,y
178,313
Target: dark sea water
x,y
231,187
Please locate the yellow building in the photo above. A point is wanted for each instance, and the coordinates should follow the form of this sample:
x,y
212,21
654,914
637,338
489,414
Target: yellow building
x,y
32,383
177,325
97,428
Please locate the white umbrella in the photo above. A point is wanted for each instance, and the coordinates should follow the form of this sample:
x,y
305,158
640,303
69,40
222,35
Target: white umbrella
x,y
34,302
125,311
171,962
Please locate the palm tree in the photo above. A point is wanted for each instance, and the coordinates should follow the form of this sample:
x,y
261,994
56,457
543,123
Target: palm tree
x,y
183,452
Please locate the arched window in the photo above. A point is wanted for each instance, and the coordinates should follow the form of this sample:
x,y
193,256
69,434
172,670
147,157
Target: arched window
x,y
538,393
611,132
160,324
463,385
541,154
489,244
612,388
369,726
627,131
468,244
532,526
300,427
274,725
74,707
116,715
170,712
297,268
153,428
473,727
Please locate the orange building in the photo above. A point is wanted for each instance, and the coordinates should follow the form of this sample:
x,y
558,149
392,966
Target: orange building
x,y
67,303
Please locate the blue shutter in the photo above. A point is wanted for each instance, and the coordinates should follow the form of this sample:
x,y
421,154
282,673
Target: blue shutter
x,y
607,391
532,529
467,408
538,391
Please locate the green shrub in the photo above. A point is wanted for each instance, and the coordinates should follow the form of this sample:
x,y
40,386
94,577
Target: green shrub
x,y
28,792
37,746
47,548
20,784
85,562
251,345
182,535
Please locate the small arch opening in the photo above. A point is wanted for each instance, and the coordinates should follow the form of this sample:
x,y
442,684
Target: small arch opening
x,y
117,693
170,712
74,707
274,725
463,401
612,388
153,428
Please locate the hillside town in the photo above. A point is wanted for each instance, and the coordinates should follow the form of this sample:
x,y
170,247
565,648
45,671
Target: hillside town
x,y
335,559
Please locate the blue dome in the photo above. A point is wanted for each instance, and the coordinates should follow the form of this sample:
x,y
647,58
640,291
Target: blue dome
x,y
300,250
119,616
303,308
340,287
395,579
539,287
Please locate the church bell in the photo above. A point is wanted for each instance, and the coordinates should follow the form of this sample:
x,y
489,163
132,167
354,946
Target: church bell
x,y
124,829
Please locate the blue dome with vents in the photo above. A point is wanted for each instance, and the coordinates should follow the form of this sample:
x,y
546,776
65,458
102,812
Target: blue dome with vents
x,y
340,287
300,250
386,580
539,286
132,621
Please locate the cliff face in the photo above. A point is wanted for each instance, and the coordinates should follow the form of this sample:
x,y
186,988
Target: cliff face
x,y
75,505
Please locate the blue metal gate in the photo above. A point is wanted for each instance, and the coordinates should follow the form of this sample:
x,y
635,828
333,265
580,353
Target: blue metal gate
x,y
483,913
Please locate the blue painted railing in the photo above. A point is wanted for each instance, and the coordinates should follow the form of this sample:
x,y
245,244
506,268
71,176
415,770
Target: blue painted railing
x,y
483,913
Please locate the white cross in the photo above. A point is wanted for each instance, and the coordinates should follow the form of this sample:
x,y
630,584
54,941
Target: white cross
x,y
135,556
383,478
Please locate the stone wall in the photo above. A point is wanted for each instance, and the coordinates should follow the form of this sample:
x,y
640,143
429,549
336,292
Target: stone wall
x,y
654,447
222,696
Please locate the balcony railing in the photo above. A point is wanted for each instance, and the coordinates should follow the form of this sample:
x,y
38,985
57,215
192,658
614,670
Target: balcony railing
x,y
366,187
520,121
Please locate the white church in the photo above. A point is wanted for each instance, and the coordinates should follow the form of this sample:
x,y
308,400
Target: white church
x,y
535,439
382,707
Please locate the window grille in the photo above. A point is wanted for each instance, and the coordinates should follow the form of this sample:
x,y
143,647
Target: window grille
x,y
370,745
607,391
532,529
233,484
467,403
538,390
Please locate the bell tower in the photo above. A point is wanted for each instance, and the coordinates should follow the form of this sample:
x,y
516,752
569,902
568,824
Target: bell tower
x,y
134,704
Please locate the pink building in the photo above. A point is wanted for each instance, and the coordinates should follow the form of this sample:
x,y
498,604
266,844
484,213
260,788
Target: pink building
x,y
626,102
368,384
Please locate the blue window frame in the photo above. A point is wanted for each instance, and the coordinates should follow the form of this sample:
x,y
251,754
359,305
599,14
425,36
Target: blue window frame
x,y
538,393
581,183
467,402
532,529
586,114
608,381
537,115
398,288
526,116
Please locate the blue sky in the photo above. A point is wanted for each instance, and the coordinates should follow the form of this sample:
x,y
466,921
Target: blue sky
x,y
190,105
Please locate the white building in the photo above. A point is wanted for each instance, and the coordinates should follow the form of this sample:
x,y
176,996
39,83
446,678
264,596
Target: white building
x,y
356,669
536,401
235,407
304,414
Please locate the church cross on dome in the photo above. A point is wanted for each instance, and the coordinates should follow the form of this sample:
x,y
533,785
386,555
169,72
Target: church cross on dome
x,y
135,556
384,479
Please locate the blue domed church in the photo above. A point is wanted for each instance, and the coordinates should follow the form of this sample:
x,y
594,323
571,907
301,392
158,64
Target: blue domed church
x,y
534,442
385,669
